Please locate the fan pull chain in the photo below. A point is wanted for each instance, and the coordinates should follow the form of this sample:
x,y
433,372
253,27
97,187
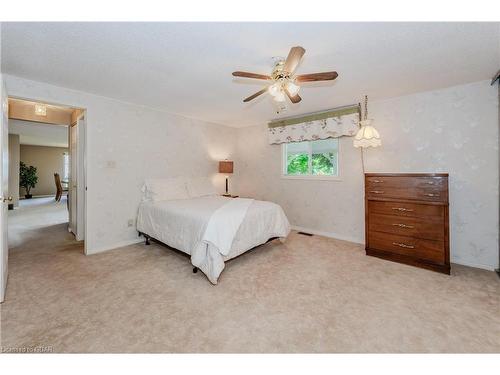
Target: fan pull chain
x,y
366,108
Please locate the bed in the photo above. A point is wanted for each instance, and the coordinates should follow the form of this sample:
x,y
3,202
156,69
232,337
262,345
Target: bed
x,y
211,229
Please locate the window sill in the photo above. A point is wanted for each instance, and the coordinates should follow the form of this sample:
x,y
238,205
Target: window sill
x,y
313,178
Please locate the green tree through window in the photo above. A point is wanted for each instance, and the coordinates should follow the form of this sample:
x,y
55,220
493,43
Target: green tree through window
x,y
318,158
297,164
324,164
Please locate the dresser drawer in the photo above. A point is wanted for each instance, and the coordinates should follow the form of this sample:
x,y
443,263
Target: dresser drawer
x,y
406,209
423,182
409,193
427,250
432,189
427,228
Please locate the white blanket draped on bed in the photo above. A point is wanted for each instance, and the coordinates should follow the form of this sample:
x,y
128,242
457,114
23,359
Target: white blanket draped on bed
x,y
218,237
224,223
212,229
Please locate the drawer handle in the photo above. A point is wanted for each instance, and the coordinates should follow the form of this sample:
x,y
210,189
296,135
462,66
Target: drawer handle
x,y
403,245
376,191
431,195
403,226
377,181
402,209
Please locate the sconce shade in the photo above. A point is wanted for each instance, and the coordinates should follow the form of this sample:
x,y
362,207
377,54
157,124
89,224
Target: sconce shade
x,y
226,166
367,136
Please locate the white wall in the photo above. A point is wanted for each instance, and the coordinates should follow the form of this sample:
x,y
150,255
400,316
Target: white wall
x,y
454,130
332,207
126,144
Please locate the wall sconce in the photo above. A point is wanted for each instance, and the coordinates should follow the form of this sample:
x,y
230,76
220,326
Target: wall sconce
x,y
367,135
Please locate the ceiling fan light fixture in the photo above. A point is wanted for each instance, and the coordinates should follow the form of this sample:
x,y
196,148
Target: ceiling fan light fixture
x,y
280,97
283,82
292,88
275,89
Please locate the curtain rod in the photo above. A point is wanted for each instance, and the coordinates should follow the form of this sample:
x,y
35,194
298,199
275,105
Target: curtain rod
x,y
321,115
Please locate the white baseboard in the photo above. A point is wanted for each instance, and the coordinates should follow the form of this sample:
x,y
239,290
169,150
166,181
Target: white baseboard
x,y
474,265
114,246
328,234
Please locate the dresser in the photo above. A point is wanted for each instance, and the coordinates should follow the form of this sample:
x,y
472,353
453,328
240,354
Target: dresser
x,y
406,219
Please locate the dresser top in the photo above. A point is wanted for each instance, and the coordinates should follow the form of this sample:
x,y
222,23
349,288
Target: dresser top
x,y
406,174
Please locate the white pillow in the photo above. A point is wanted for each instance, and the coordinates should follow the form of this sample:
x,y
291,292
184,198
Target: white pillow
x,y
165,189
200,187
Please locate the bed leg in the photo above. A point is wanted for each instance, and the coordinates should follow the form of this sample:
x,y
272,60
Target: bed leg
x,y
195,269
147,239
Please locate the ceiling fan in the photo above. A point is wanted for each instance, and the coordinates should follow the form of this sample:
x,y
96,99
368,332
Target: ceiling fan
x,y
282,81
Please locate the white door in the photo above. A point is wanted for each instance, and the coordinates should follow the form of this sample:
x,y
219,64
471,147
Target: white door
x,y
80,170
73,177
4,188
77,179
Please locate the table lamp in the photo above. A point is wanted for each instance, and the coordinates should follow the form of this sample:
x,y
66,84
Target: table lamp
x,y
226,167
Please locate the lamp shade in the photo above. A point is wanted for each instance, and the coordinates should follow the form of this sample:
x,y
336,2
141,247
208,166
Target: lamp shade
x,y
225,166
367,135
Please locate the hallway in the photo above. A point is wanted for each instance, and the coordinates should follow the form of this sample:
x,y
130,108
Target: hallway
x,y
33,216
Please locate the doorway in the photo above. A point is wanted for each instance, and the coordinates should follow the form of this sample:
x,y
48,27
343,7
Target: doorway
x,y
46,174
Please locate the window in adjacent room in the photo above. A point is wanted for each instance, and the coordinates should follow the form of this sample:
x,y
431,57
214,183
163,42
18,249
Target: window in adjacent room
x,y
66,166
311,159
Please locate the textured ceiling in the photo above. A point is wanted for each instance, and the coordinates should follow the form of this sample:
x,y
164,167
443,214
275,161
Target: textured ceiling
x,y
186,68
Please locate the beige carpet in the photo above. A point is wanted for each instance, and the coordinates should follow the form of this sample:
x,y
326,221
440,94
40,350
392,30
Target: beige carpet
x,y
311,294
34,214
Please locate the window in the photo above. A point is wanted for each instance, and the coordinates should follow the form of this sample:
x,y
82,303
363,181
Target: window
x,y
311,159
66,166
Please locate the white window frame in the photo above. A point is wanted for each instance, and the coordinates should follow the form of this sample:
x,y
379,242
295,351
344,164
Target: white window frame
x,y
309,176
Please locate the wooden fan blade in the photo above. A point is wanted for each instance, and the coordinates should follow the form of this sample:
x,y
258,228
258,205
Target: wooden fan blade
x,y
251,75
326,76
294,99
293,59
255,95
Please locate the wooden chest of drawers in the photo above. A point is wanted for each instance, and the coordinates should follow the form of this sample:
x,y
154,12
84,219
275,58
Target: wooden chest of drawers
x,y
406,219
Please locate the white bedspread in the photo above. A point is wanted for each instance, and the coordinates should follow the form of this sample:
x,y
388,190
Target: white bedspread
x,y
224,223
182,224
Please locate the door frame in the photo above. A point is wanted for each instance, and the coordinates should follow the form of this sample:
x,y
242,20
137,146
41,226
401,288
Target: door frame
x,y
81,143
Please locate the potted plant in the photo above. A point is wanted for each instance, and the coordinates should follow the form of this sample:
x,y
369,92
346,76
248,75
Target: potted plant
x,y
27,178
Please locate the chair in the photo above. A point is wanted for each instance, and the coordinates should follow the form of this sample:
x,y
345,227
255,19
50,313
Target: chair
x,y
59,187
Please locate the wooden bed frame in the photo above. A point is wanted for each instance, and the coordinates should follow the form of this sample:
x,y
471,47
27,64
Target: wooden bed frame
x,y
148,239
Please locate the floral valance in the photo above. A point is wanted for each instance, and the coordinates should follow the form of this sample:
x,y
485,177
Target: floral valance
x,y
330,124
